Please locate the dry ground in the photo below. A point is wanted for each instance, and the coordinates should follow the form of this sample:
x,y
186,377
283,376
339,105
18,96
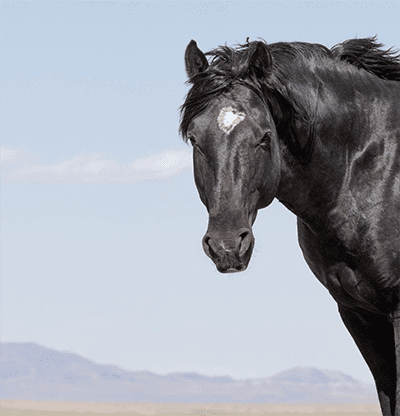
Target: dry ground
x,y
58,408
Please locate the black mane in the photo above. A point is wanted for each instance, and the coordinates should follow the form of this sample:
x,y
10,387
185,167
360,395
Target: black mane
x,y
292,64
366,54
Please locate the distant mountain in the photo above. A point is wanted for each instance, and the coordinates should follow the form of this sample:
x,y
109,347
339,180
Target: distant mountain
x,y
31,372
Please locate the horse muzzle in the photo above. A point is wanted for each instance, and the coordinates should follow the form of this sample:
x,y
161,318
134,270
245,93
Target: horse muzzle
x,y
230,251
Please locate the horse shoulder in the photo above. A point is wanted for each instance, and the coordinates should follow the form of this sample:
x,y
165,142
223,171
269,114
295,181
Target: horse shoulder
x,y
338,270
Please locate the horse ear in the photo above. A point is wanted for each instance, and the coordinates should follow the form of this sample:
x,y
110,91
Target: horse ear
x,y
195,60
260,64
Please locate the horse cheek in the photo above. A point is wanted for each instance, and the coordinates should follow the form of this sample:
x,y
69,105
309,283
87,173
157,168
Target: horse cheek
x,y
198,168
271,176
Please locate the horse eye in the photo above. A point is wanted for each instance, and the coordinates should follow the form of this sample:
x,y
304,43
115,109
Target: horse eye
x,y
266,141
192,140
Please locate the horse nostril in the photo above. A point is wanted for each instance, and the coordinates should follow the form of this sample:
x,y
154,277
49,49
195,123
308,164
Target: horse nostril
x,y
207,246
219,248
245,241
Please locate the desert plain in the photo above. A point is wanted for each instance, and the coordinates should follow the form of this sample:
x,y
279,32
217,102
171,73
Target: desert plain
x,y
53,408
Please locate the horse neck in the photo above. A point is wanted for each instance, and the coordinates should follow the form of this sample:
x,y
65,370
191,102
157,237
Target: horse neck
x,y
342,125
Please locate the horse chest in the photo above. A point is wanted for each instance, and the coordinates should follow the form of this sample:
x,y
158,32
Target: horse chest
x,y
354,282
349,288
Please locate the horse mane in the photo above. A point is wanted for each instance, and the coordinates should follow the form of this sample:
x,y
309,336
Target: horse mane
x,y
291,63
367,54
229,65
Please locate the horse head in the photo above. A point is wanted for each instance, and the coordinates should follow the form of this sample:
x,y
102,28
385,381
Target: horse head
x,y
236,153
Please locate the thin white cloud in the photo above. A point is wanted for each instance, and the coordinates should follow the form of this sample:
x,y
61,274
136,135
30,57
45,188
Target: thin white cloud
x,y
9,156
93,168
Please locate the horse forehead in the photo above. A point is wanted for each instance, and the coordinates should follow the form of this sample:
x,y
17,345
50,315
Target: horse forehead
x,y
222,115
229,117
238,107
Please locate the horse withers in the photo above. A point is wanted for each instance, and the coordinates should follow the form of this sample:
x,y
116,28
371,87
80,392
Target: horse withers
x,y
318,129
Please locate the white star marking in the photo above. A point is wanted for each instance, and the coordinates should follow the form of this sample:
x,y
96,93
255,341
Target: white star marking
x,y
229,118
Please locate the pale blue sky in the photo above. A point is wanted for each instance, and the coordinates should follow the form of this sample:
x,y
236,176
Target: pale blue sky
x,y
101,223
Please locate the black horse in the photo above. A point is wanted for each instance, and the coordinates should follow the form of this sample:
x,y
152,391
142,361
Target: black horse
x,y
318,129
